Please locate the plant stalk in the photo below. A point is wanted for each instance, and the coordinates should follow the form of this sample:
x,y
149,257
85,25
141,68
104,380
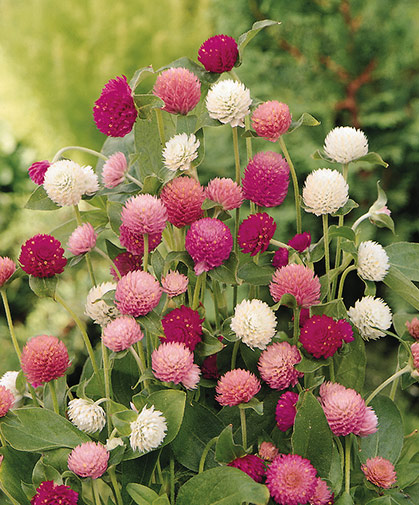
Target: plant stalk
x,y
53,392
111,472
146,251
343,278
205,452
326,251
78,148
107,376
88,262
160,126
294,182
243,427
387,382
348,443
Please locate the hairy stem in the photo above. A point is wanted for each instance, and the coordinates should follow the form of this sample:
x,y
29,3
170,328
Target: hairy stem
x,y
78,148
343,278
326,251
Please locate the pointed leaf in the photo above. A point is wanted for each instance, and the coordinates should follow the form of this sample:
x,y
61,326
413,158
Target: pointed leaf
x,y
44,287
349,205
142,495
226,450
405,257
246,37
255,274
373,158
350,366
401,285
304,120
139,76
15,469
39,200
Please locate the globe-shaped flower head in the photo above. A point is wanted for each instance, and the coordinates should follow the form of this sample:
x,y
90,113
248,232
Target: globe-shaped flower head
x,y
218,54
183,198
254,322
114,169
98,309
379,471
179,89
174,283
42,256
49,493
7,269
89,459
285,411
325,191
38,170
6,400
277,365
271,119
371,315
373,262
137,293
250,464
229,102
173,362
82,240
86,415
236,386
148,430
344,144
121,333
226,192
182,325
180,151
296,280
255,233
144,214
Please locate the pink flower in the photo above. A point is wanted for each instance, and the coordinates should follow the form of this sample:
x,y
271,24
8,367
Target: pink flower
x,y
38,170
266,179
113,171
114,111
276,365
42,256
137,293
44,358
89,459
291,479
121,333
322,494
268,451
179,89
298,281
236,386
415,353
144,214
255,232
174,283
412,326
7,269
271,120
285,410
127,262
218,54
301,241
49,493
209,242
183,198
82,240
280,258
134,242
225,192
250,464
173,362
183,325
345,410
6,400
380,472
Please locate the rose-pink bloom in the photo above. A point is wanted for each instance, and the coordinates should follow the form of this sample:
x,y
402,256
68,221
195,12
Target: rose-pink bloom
x,y
250,464
276,365
380,472
285,411
173,362
218,54
174,283
126,262
82,240
236,386
297,280
134,242
38,170
268,451
322,494
89,459
144,214
280,258
121,333
191,379
301,241
415,353
225,192
271,119
183,198
7,269
6,400
413,327
179,89
255,232
137,293
113,171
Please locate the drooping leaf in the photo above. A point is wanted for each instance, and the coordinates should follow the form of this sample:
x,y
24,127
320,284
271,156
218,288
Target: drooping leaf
x,y
304,120
44,287
349,205
401,285
246,37
39,200
373,158
255,274
16,468
227,272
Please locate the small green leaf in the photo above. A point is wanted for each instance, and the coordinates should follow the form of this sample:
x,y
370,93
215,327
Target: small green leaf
x,y
253,404
370,288
310,365
399,322
176,256
209,204
304,120
383,221
139,76
39,200
335,308
227,272
112,249
114,214
401,285
122,421
246,37
344,499
405,257
255,274
342,231
288,300
157,262
320,155
151,322
142,495
226,450
349,205
209,345
152,184
146,103
43,472
44,287
373,159
350,366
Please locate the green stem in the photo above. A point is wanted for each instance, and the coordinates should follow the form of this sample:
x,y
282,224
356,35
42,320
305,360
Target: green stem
x,y
348,443
326,251
111,472
243,427
295,183
394,385
296,324
397,374
108,259
172,479
53,392
107,376
332,370
205,452
9,496
343,278
96,492
339,239
233,74
215,300
160,126
359,220
300,389
133,179
249,151
146,251
88,262
196,295
234,354
341,453
237,178
78,148
139,361
279,244
159,472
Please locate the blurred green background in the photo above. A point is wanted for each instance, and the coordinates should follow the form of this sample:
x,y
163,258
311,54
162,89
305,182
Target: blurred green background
x,y
348,63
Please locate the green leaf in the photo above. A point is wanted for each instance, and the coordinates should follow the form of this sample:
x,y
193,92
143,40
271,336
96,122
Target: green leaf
x,y
383,221
312,438
157,262
320,155
39,200
112,249
151,185
344,499
350,366
198,70
405,257
209,345
162,500
308,365
373,158
342,231
246,37
399,322
382,500
16,468
114,214
407,474
222,486
317,251
370,288
151,322
142,495
335,308
288,300
227,272
146,102
401,285
43,472
304,120
139,76
253,404
44,287
255,274
226,450
122,421
349,205
175,256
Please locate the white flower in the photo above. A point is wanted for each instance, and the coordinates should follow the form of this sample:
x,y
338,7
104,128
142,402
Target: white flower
x,y
86,415
98,309
369,314
66,182
148,430
180,151
344,144
325,191
8,380
373,262
254,322
229,102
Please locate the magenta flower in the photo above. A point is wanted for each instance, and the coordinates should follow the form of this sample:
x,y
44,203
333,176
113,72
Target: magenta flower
x,y
271,120
174,283
183,325
255,232
89,459
280,258
285,410
114,111
173,362
49,493
121,333
6,400
266,179
7,269
276,365
126,262
42,256
297,280
183,198
137,293
226,192
218,54
179,89
301,241
250,464
322,494
134,242
413,328
38,170
236,386
82,240
144,214
113,171
380,472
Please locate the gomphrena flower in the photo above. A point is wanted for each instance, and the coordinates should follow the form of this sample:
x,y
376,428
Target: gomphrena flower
x,y
42,256
127,262
86,415
266,179
148,430
276,365
254,322
236,386
173,362
66,182
322,336
250,464
134,241
121,333
300,242
183,198
137,293
82,240
229,102
182,325
268,451
291,479
373,262
346,411
7,269
368,314
271,119
174,283
209,242
179,89
280,258
226,192
98,309
255,232
37,171
325,191
44,358
218,54
144,214
114,111
413,327
6,400
114,169
285,411
8,380
414,348
49,493
180,151
296,280
89,459
344,144
380,472
322,494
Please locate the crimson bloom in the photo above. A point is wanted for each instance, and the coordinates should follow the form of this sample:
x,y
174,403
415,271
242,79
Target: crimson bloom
x,y
285,410
301,241
255,232
49,493
38,170
183,325
250,464
218,54
42,256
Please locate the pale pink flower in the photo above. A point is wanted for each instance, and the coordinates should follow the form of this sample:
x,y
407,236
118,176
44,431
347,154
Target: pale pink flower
x,y
236,386
144,214
174,283
121,333
225,192
89,459
415,353
113,171
296,280
82,240
137,293
173,362
6,400
268,451
379,471
179,89
276,365
412,326
271,120
7,269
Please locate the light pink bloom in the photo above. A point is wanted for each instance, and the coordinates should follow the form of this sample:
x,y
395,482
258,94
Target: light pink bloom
x,y
297,280
276,365
7,269
415,353
271,119
113,171
137,293
191,379
121,333
174,283
82,240
268,451
379,471
412,326
236,386
179,89
144,214
89,459
225,192
6,400
173,362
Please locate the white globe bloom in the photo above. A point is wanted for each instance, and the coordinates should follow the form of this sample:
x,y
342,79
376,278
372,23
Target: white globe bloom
x,y
180,151
229,102
254,322
325,191
368,314
66,182
344,144
373,262
148,430
98,309
86,415
8,380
